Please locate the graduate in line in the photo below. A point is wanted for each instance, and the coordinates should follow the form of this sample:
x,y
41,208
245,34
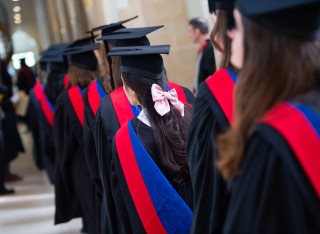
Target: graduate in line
x,y
115,110
271,155
10,142
212,114
74,190
98,89
149,171
46,98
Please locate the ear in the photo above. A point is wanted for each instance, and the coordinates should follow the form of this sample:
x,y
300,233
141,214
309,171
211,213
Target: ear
x,y
197,31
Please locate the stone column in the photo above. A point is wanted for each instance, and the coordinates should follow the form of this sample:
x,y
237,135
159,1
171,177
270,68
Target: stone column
x,y
43,24
53,22
64,25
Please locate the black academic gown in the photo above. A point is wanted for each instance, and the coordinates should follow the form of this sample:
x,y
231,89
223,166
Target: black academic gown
x,y
91,153
52,89
26,79
47,145
12,141
207,65
105,129
209,188
124,203
34,112
272,193
73,187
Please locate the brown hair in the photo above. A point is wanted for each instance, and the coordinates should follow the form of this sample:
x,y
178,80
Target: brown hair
x,y
78,76
219,34
116,71
275,68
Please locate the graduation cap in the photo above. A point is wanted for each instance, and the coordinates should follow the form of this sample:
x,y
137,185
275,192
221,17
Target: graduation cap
x,y
106,29
53,55
226,5
294,18
55,48
220,5
129,33
79,44
83,56
144,61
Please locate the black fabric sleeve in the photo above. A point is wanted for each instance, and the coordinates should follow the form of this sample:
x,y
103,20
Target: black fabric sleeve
x,y
89,143
207,64
106,125
67,206
189,95
271,193
209,189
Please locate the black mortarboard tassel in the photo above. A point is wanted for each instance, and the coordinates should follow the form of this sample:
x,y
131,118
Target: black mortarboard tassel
x,y
144,61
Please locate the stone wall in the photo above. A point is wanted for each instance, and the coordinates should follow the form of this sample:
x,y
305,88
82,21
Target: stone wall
x,y
173,15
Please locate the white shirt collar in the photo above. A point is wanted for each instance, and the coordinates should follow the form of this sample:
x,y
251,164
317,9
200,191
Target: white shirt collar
x,y
144,118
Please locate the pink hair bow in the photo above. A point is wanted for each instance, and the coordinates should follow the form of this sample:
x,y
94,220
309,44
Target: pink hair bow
x,y
162,99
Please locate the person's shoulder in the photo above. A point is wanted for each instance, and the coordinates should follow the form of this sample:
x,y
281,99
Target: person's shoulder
x,y
208,49
270,136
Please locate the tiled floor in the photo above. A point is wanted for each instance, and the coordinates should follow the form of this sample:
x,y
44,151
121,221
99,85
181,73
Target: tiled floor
x,y
31,209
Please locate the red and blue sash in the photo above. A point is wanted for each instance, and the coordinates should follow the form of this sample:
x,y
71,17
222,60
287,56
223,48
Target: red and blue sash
x,y
66,81
123,109
75,96
222,86
158,205
181,95
300,126
38,91
95,93
48,109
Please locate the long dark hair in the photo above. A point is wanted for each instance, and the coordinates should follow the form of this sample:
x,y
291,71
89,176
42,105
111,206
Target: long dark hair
x,y
219,31
275,68
116,71
170,130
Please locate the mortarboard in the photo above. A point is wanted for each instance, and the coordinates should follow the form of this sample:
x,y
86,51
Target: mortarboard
x,y
129,33
220,5
106,29
83,56
53,55
294,18
144,61
226,5
127,37
56,47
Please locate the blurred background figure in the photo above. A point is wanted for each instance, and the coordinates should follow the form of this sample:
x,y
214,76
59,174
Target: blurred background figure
x,y
26,77
199,34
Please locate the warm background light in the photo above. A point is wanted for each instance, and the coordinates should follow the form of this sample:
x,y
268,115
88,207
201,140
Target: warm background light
x,y
16,9
17,16
17,21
